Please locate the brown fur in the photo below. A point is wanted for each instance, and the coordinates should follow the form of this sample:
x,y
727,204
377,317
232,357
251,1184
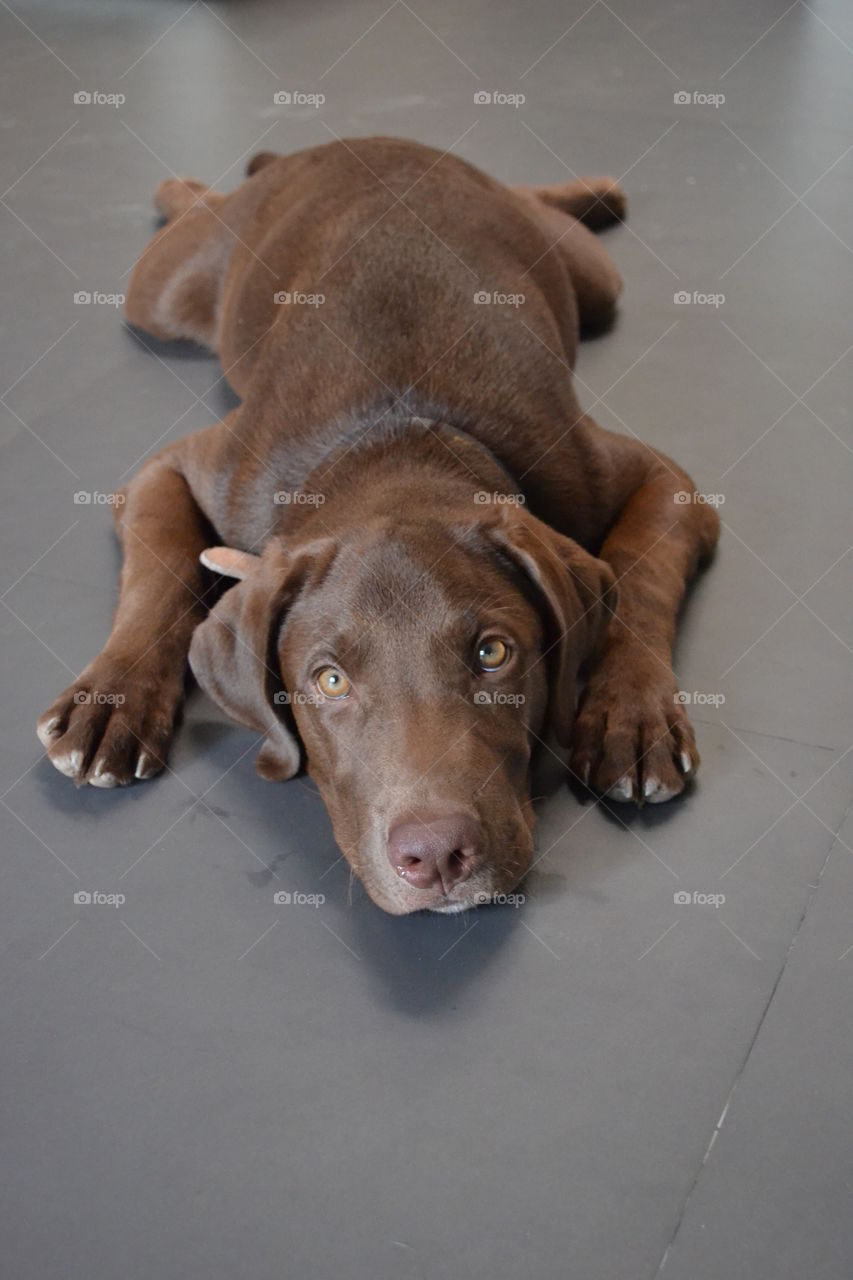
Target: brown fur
x,y
397,401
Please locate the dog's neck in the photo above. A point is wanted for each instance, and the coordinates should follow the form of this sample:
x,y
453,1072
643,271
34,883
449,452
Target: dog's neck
x,y
386,464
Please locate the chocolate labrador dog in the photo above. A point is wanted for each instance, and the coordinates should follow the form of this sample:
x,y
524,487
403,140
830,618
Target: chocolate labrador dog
x,y
443,533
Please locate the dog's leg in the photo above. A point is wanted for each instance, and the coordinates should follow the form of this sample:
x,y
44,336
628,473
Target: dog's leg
x,y
596,202
595,279
175,287
175,196
116,720
260,161
632,738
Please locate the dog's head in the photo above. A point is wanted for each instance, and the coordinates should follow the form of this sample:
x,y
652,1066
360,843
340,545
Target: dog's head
x,y
418,664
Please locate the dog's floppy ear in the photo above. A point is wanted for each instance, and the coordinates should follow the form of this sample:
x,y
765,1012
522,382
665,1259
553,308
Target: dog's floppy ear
x,y
230,562
580,593
233,654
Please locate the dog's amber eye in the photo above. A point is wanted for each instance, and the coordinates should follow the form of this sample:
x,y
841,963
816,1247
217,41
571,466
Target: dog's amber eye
x,y
492,654
333,683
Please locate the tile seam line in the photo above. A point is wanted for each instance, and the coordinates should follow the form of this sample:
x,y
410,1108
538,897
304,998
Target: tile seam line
x,y
757,733
748,1054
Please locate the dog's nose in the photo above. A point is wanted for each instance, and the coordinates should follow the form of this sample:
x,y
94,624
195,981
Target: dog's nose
x,y
436,854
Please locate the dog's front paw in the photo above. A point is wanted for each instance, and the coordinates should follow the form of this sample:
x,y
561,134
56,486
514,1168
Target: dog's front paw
x,y
632,739
114,723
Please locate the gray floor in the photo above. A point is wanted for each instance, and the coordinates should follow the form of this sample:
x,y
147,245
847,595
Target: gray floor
x,y
604,1083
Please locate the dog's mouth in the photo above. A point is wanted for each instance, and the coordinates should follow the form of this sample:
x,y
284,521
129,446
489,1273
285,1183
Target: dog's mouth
x,y
450,904
400,899
456,902
411,902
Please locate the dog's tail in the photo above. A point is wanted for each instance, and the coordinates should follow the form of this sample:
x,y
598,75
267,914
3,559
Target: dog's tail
x,y
259,161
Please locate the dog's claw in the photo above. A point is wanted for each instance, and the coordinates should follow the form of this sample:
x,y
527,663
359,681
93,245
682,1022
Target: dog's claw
x,y
622,790
662,795
640,744
657,792
101,777
69,764
146,766
47,731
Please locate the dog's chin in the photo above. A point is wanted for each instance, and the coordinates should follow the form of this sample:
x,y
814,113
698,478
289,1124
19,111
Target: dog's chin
x,y
401,900
411,902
